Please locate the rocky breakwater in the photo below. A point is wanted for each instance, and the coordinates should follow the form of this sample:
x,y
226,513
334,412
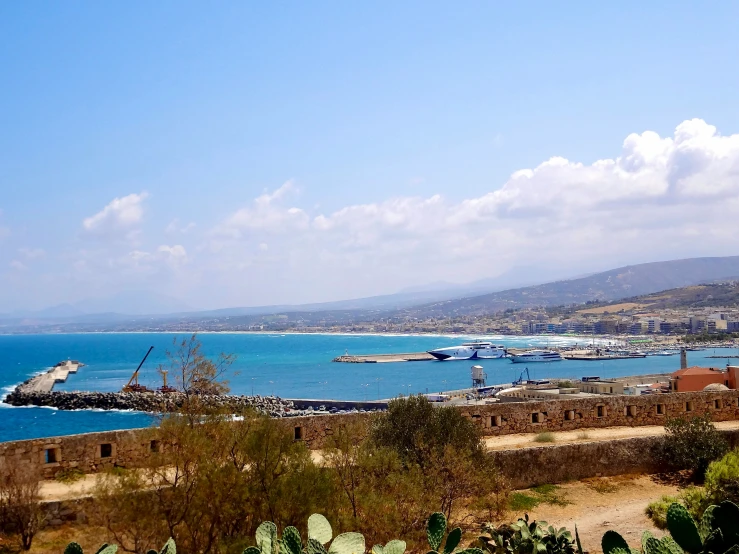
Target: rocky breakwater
x,y
155,402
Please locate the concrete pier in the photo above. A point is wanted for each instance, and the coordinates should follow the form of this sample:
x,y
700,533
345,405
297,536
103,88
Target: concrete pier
x,y
46,381
384,358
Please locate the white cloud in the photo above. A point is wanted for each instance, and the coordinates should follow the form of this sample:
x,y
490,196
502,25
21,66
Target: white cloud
x,y
175,227
658,198
18,265
121,215
266,214
174,255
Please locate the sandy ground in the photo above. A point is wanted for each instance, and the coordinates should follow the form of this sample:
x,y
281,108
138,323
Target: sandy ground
x,y
594,513
524,440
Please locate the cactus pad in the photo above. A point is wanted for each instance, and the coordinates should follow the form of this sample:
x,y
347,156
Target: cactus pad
x,y
683,529
319,529
377,549
73,548
169,547
251,550
348,543
612,541
291,540
435,529
314,547
110,549
266,536
394,547
452,540
726,518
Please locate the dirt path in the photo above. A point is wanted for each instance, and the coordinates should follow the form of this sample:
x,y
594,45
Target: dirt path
x,y
523,440
597,505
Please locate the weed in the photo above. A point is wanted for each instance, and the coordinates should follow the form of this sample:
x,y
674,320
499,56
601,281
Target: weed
x,y
583,435
602,486
546,436
71,475
522,502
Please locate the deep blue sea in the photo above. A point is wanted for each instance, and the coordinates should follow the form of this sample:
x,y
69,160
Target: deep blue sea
x,y
289,365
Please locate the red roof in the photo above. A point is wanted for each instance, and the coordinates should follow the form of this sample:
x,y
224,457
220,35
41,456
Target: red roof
x,y
697,370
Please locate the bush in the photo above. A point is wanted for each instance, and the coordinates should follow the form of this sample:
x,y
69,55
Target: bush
x,y
657,511
722,478
20,510
691,444
420,432
546,436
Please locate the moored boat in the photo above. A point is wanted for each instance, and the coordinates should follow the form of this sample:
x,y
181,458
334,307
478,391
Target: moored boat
x,y
536,356
473,350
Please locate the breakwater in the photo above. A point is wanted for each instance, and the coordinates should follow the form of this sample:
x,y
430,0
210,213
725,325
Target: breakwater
x,y
145,402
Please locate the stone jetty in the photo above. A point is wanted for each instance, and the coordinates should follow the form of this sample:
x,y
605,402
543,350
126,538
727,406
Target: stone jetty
x,y
383,358
155,402
45,382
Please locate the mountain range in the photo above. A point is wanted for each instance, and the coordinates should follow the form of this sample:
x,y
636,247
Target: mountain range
x,y
437,300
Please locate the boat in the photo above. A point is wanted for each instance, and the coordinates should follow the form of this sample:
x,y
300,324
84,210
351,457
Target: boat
x,y
536,356
473,350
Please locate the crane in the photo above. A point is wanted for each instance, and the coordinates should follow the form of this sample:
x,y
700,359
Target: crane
x,y
133,382
520,380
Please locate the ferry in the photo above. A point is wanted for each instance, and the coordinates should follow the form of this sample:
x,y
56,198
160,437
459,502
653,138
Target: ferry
x,y
536,356
474,350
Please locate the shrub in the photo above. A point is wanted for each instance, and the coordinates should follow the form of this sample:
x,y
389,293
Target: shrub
x,y
20,510
71,475
420,432
691,444
546,436
722,478
657,511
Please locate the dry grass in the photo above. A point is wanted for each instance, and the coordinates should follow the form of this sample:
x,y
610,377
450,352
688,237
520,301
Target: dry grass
x,y
546,436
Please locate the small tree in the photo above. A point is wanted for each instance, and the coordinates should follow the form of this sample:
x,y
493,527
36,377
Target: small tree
x,y
194,374
691,444
20,510
420,432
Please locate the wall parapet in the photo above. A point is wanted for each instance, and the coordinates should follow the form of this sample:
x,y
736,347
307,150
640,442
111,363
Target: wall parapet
x,y
94,452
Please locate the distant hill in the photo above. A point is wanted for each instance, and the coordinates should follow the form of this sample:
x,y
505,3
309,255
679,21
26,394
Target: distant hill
x,y
696,296
624,282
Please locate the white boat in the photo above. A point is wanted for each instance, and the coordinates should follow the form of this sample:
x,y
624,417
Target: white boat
x,y
473,350
536,356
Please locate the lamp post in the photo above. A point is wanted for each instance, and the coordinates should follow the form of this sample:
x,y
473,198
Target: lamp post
x,y
365,385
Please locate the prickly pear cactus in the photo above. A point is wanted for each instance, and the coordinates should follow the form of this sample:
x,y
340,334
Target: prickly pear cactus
x,y
291,540
108,549
452,541
266,536
395,546
683,529
348,543
169,547
319,529
314,547
435,529
612,541
725,516
73,548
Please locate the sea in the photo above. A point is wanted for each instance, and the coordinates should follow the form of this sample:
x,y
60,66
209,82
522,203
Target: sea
x,y
285,365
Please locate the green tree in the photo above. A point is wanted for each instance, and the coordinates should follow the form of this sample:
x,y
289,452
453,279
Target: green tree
x,y
691,444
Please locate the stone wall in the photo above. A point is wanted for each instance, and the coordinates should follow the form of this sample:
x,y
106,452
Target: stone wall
x,y
93,452
528,467
602,411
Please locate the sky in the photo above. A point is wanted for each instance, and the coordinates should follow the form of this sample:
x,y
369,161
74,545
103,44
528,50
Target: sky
x,y
252,153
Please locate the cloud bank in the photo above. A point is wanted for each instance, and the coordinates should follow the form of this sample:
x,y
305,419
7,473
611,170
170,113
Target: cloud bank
x,y
656,198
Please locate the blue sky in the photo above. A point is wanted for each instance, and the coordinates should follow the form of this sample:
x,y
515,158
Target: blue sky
x,y
384,127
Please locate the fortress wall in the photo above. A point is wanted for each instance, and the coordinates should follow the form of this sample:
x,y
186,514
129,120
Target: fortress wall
x,y
94,452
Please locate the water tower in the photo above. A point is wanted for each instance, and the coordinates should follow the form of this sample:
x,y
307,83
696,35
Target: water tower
x,y
478,376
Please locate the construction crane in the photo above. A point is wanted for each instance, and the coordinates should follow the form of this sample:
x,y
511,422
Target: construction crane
x,y
133,382
520,380
165,387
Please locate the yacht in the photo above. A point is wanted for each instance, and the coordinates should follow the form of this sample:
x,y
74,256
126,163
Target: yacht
x,y
474,350
536,356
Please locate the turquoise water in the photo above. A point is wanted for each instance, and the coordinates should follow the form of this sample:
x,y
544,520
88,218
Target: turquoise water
x,y
291,366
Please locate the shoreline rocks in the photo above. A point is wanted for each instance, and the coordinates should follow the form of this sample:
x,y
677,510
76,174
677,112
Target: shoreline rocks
x,y
152,402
